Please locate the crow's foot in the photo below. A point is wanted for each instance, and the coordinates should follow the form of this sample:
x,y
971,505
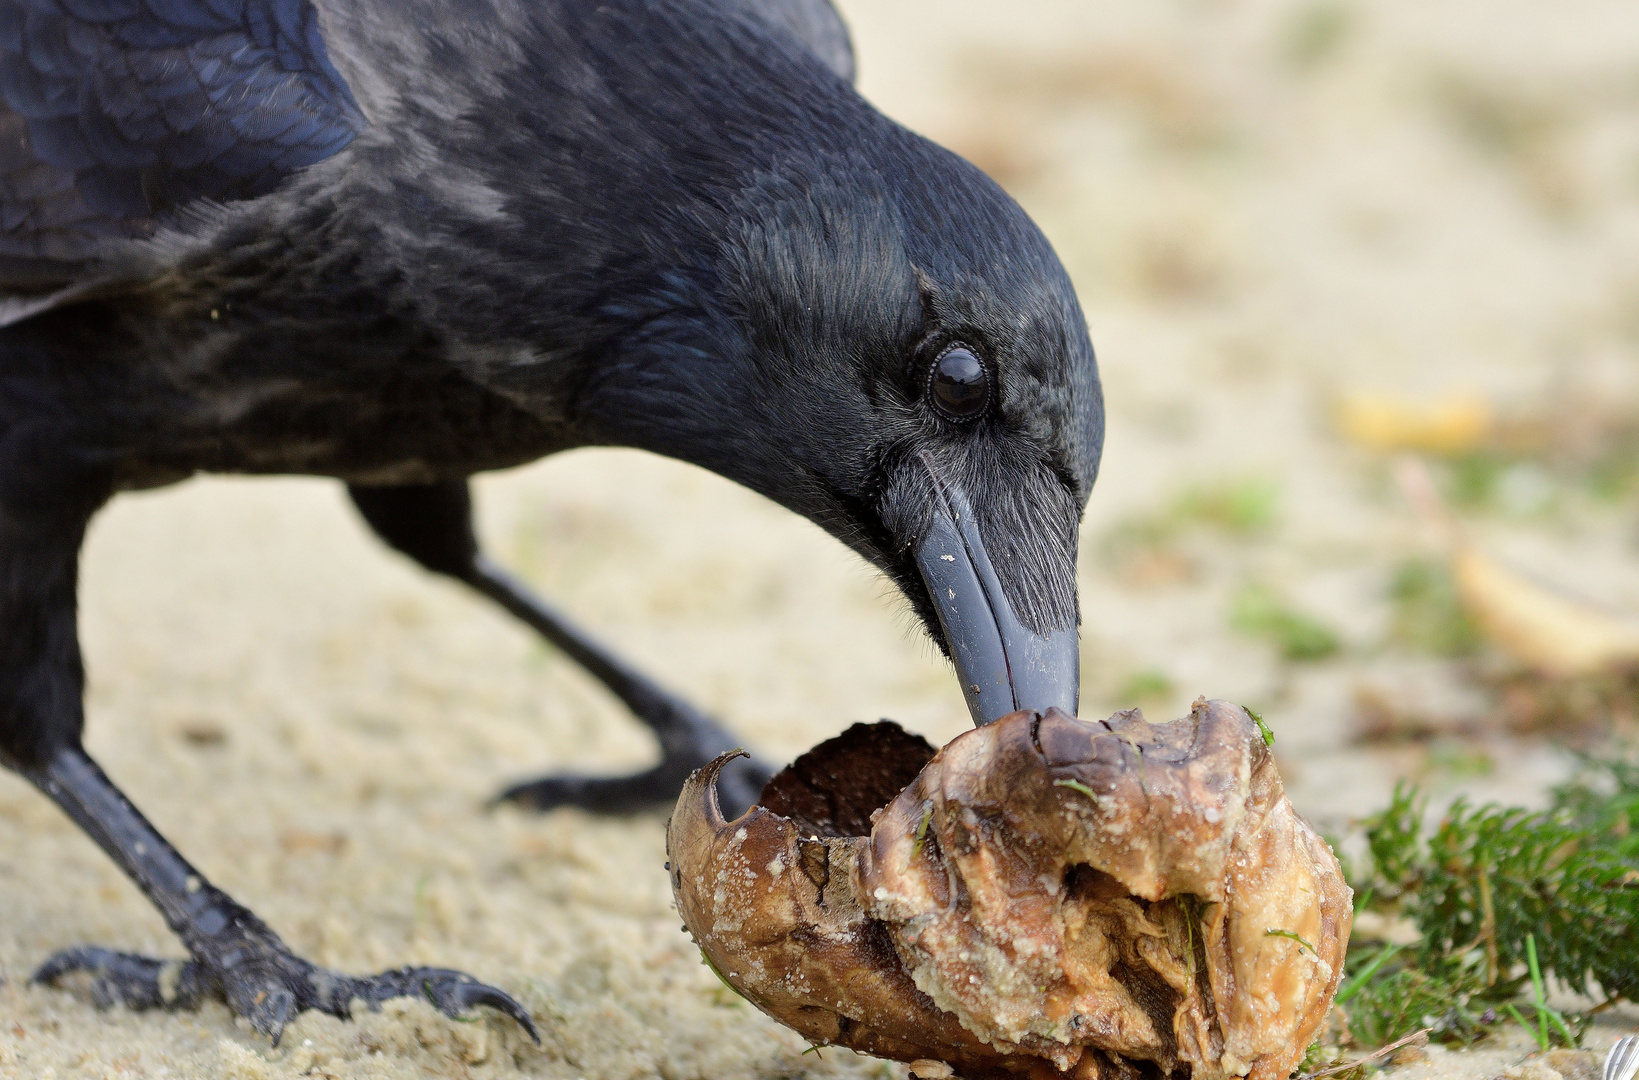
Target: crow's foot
x,y
267,986
233,955
740,785
688,737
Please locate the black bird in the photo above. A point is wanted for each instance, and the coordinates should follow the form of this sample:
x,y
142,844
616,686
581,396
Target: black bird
x,y
398,242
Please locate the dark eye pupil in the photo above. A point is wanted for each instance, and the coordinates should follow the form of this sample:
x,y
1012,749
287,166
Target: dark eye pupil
x,y
959,383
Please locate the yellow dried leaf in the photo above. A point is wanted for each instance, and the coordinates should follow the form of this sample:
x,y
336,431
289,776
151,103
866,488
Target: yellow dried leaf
x,y
1451,426
1543,629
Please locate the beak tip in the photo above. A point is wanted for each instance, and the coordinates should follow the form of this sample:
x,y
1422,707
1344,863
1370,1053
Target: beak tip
x,y
1003,665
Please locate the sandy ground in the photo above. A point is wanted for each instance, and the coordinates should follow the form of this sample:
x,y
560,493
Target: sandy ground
x,y
1265,205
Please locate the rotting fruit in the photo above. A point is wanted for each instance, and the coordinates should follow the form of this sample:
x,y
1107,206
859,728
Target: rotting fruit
x,y
1044,897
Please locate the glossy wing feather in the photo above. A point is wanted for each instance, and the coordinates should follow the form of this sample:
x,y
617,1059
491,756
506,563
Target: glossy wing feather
x,y
115,112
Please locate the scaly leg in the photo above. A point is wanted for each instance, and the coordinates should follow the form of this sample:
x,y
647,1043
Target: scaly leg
x,y
432,524
46,499
235,956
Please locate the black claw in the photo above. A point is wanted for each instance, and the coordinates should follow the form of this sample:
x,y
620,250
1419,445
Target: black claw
x,y
475,994
273,1013
454,993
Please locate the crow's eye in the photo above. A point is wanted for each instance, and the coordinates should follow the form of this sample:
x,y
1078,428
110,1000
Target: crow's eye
x,y
958,384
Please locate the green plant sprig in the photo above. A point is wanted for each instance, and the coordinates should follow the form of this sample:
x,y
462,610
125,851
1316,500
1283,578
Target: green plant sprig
x,y
1504,899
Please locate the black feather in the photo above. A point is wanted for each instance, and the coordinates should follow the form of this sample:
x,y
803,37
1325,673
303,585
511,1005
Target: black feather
x,y
149,105
667,224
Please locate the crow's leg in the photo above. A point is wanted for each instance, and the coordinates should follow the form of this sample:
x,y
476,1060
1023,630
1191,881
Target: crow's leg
x,y
45,503
432,524
234,955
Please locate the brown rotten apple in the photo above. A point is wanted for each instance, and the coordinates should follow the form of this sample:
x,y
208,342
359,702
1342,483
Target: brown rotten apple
x,y
1044,896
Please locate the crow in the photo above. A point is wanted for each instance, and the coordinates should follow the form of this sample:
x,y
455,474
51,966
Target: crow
x,y
399,242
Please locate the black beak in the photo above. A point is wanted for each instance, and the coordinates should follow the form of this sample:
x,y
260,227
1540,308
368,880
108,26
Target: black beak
x,y
1003,665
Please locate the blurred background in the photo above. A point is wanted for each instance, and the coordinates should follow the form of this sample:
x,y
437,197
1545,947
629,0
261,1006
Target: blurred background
x,y
1310,237
1364,283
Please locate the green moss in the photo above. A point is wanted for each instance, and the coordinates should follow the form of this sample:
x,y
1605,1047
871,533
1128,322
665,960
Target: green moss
x,y
922,831
1614,472
1427,614
1242,507
1147,685
1076,785
1263,728
1291,935
1239,507
1259,612
1315,32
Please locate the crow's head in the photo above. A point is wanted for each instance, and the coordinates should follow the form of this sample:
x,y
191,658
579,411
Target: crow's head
x,y
881,340
865,328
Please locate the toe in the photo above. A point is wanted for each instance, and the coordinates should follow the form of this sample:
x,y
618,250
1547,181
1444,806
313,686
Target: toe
x,y
739,787
137,982
598,794
84,958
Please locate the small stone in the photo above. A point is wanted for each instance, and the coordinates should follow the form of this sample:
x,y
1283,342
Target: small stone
x,y
1534,1069
1573,1064
1409,1055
